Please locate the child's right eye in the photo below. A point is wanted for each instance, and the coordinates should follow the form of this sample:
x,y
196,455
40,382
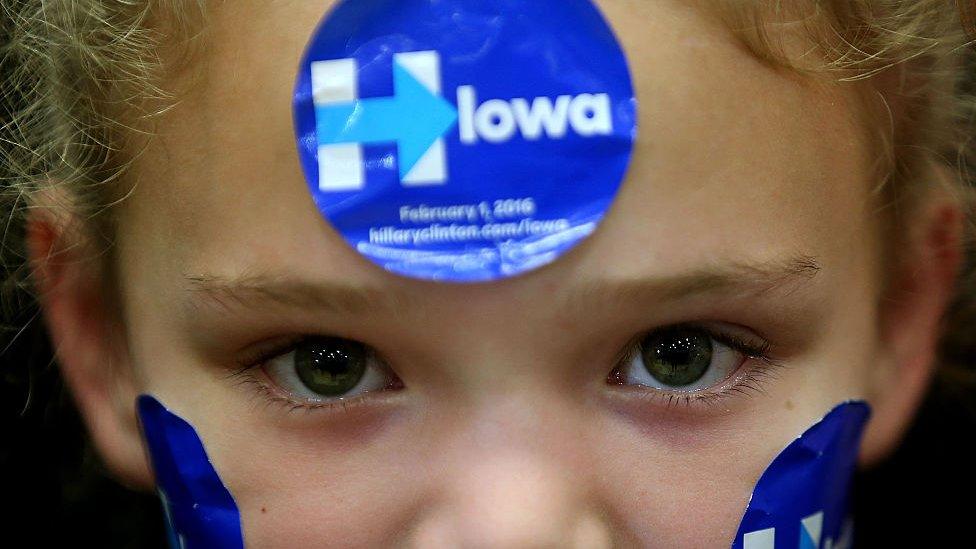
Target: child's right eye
x,y
320,371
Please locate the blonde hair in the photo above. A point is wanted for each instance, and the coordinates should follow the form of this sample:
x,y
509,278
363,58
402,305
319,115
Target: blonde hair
x,y
915,61
80,87
919,51
80,77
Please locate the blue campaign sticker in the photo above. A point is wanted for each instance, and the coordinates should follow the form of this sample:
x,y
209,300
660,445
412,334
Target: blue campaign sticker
x,y
199,511
802,499
464,141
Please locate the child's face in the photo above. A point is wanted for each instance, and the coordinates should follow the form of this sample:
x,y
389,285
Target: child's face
x,y
740,215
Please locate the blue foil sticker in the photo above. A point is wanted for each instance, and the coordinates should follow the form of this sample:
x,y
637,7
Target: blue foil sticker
x,y
801,500
464,141
200,512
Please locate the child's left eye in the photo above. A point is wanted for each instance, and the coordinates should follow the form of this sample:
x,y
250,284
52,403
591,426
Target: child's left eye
x,y
686,361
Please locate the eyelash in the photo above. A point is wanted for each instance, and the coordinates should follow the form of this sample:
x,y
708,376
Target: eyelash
x,y
245,375
264,390
749,382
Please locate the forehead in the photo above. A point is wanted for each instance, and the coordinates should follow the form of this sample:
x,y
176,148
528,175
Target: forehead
x,y
734,159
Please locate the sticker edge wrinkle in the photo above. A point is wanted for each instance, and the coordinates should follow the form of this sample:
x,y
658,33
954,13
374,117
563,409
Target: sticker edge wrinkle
x,y
840,430
192,494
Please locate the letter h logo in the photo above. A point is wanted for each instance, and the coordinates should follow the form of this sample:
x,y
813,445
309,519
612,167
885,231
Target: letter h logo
x,y
415,117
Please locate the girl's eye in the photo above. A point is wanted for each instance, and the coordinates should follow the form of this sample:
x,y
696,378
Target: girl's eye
x,y
324,369
683,360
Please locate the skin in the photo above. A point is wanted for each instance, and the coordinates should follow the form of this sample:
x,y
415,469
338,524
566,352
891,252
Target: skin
x,y
505,432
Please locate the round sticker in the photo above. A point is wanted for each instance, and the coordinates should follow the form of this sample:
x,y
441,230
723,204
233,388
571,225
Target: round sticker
x,y
464,141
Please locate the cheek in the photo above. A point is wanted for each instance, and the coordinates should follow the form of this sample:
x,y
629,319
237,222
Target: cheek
x,y
681,485
360,511
302,482
670,501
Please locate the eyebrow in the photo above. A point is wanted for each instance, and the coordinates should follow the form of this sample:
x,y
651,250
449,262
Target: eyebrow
x,y
250,291
735,277
740,277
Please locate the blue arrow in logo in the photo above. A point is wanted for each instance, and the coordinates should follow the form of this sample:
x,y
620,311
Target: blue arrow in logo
x,y
413,117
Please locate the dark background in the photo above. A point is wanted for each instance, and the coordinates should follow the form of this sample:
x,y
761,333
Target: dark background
x,y
58,493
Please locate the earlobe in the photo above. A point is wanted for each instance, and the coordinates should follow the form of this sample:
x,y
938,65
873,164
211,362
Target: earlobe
x,y
911,320
88,341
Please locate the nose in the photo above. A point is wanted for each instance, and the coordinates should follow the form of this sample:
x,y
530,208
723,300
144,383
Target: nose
x,y
515,480
513,502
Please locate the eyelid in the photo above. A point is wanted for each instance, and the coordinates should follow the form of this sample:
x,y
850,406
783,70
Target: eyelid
x,y
753,347
272,396
265,351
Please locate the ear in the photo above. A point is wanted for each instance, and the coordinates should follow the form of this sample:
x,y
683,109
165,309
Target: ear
x,y
920,291
87,336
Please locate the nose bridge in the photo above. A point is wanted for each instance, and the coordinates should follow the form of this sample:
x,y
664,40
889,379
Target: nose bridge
x,y
516,476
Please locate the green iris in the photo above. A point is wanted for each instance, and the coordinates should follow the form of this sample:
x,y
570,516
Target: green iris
x,y
677,357
330,366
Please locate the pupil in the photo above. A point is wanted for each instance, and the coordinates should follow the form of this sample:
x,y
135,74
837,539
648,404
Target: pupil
x,y
330,366
678,357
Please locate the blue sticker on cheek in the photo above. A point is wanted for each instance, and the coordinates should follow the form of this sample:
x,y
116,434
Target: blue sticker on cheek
x,y
801,500
464,141
200,512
